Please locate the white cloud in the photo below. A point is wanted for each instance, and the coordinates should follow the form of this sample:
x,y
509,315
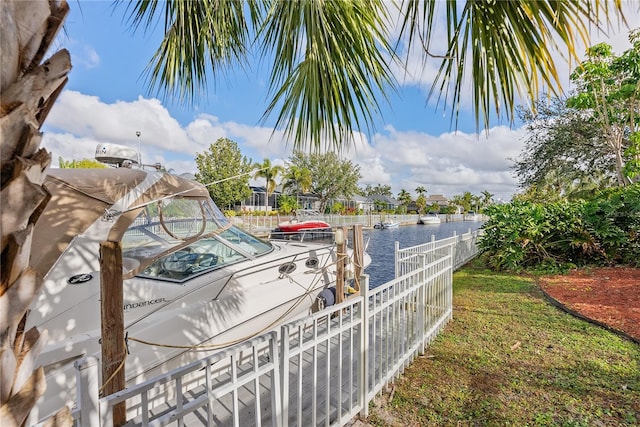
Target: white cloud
x,y
450,163
78,122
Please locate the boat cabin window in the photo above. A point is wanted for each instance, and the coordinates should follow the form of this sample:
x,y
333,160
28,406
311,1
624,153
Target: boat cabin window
x,y
204,238
204,255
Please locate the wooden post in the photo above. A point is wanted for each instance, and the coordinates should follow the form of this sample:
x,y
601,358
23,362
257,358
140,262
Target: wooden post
x,y
112,313
341,247
358,254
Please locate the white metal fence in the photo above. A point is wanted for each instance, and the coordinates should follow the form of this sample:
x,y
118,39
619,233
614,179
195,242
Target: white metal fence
x,y
321,370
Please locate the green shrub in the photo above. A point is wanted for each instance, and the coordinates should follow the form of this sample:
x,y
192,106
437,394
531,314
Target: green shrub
x,y
555,236
229,213
614,217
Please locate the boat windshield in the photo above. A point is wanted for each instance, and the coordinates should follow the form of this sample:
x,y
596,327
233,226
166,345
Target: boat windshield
x,y
176,239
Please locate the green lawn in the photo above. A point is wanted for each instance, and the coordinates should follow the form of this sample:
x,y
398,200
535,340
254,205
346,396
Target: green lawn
x,y
510,358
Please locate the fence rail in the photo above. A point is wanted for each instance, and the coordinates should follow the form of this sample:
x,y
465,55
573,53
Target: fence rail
x,y
321,370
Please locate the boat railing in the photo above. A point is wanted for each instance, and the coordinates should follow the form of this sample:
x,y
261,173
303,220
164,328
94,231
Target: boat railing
x,y
321,370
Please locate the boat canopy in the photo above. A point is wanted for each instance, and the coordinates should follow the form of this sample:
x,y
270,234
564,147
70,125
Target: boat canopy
x,y
79,197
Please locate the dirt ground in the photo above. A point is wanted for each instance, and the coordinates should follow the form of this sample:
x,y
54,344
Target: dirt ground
x,y
607,295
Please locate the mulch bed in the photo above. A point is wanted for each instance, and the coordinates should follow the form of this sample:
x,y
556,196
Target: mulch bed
x,y
607,296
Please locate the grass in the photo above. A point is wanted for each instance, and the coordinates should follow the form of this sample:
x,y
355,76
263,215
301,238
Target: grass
x,y
511,358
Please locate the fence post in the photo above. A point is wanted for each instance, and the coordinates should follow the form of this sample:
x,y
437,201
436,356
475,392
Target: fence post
x,y
87,390
277,398
421,303
452,266
363,372
396,262
284,375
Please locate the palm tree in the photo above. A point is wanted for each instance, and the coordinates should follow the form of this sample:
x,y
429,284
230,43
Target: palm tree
x,y
269,172
298,178
467,200
456,202
29,87
333,60
476,202
421,190
330,67
404,197
487,198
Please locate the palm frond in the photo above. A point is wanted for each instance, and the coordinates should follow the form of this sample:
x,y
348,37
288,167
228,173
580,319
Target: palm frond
x,y
510,44
330,68
200,36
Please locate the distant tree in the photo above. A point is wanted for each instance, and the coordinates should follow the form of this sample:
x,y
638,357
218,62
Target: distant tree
x,y
287,203
223,166
487,198
332,177
421,203
434,207
448,210
561,142
337,208
467,200
462,200
80,164
608,89
379,205
378,189
476,202
421,190
269,173
297,179
404,197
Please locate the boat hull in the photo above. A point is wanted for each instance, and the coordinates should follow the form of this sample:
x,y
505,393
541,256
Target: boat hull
x,y
288,227
192,283
252,299
429,220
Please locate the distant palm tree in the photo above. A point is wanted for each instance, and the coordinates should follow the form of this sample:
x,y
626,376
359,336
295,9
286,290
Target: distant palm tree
x,y
488,198
404,197
269,172
461,200
476,202
467,200
421,190
298,178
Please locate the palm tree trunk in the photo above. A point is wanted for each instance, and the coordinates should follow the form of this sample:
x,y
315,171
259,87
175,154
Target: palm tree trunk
x,y
29,89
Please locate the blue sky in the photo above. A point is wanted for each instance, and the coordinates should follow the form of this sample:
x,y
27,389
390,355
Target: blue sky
x,y
106,101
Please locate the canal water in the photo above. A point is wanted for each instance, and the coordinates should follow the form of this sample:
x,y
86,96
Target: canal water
x,y
382,244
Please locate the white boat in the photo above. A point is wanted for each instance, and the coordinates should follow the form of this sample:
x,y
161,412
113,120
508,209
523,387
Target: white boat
x,y
191,278
387,224
471,216
429,218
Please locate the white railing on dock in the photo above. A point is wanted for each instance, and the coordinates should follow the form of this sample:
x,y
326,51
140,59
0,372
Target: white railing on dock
x,y
321,370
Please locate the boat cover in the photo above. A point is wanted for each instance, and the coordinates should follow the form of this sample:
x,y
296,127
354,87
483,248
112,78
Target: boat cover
x,y
80,196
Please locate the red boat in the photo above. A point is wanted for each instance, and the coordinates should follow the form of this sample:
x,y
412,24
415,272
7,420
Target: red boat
x,y
304,220
293,226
